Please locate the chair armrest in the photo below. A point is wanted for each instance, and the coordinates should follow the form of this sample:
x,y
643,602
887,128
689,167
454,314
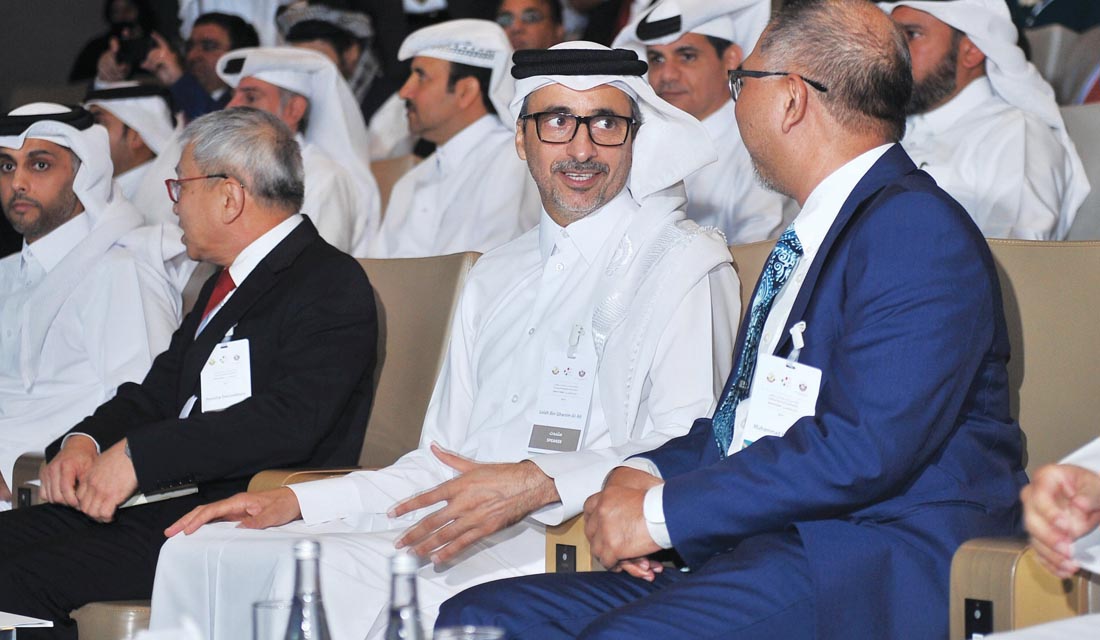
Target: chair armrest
x,y
275,478
1003,577
27,467
567,549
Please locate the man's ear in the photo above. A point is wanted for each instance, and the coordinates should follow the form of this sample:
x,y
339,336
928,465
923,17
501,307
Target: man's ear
x,y
521,139
732,57
232,199
795,96
468,91
133,139
295,110
970,56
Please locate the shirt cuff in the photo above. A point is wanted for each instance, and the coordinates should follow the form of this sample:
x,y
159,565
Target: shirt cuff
x,y
77,433
654,511
326,500
642,464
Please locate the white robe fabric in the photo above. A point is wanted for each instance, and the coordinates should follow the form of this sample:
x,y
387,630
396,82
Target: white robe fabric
x,y
130,182
75,328
472,194
1005,166
389,131
657,299
727,194
345,211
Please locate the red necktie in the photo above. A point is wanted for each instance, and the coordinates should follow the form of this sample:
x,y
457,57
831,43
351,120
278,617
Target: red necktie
x,y
1094,93
222,288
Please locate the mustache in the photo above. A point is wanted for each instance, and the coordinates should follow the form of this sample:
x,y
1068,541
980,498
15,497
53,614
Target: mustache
x,y
17,198
575,166
409,106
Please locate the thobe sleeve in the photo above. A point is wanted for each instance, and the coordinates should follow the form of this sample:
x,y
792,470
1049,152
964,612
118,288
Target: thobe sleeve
x,y
690,365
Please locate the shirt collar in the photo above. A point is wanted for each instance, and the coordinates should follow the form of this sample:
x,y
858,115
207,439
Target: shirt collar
x,y
942,117
51,248
589,233
822,207
450,154
251,256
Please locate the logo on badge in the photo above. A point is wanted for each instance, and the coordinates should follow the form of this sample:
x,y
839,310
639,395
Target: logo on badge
x,y
581,373
555,371
771,377
802,386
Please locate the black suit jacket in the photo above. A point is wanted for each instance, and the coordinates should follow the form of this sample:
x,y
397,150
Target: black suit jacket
x,y
308,313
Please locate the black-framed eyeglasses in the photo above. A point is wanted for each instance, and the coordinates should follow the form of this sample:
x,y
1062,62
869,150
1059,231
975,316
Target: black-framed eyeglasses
x,y
737,80
527,16
175,184
605,130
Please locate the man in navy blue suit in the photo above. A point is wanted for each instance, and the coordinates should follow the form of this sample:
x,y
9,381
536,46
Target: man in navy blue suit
x,y
865,432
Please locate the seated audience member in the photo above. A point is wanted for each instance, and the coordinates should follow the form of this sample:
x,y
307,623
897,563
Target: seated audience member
x,y
472,193
81,312
531,24
273,367
139,125
306,91
691,45
613,282
1079,15
346,38
878,320
260,14
984,123
197,89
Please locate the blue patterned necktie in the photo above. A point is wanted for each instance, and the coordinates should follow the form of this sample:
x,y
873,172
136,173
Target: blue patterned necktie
x,y
780,265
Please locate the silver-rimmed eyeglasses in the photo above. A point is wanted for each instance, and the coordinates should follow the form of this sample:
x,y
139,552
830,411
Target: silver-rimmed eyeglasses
x,y
737,80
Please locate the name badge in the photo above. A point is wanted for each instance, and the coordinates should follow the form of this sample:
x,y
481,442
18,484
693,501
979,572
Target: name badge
x,y
782,392
226,379
565,398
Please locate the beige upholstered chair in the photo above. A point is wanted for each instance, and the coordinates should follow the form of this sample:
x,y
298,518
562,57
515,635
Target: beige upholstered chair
x,y
1083,126
389,171
1080,62
567,549
416,300
1050,46
1051,298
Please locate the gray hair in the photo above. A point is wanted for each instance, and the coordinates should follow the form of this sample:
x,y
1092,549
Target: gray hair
x,y
846,45
254,147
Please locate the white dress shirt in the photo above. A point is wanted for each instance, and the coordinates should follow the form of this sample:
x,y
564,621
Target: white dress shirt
x,y
727,194
520,301
345,211
119,314
1007,169
811,226
472,194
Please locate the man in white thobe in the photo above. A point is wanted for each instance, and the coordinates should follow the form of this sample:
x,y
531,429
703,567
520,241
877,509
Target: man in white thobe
x,y
140,126
472,193
690,46
306,91
984,123
615,293
81,311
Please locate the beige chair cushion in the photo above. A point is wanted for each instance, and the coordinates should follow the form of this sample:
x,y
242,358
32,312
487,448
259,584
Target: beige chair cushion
x,y
1083,126
388,172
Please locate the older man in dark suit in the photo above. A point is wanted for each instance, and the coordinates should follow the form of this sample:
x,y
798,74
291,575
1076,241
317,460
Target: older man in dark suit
x,y
273,367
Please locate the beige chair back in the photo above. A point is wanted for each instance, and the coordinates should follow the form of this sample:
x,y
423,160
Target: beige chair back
x,y
1079,64
416,300
389,171
748,261
1050,45
1051,294
1083,126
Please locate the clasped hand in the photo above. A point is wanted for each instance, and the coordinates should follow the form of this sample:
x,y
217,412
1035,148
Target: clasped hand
x,y
84,479
614,523
483,499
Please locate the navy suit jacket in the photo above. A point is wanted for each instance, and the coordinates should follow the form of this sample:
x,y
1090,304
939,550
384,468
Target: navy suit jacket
x,y
912,449
308,313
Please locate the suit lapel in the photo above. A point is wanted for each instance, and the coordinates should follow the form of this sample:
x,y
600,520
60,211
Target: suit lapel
x,y
892,165
247,293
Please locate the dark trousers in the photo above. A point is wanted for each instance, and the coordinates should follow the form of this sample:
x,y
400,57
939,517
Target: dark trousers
x,y
761,590
53,559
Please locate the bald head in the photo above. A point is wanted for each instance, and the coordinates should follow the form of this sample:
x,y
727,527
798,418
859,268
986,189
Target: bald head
x,y
855,50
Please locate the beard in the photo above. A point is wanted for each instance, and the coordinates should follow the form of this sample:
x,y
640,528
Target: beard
x,y
936,87
50,216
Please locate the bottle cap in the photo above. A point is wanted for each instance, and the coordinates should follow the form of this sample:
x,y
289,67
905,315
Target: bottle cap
x,y
404,563
307,549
